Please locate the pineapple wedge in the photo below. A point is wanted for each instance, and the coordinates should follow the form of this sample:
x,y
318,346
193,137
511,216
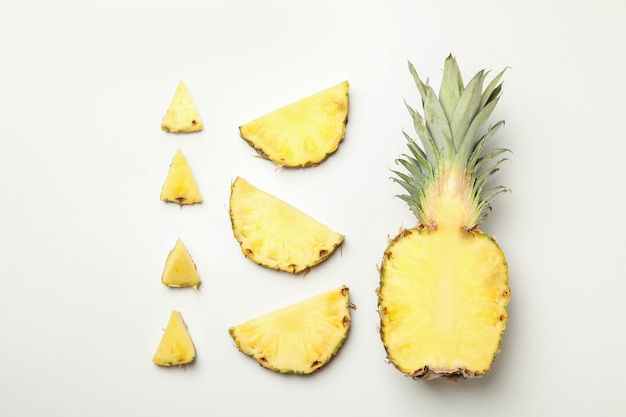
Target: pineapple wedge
x,y
180,185
182,114
299,338
180,270
275,234
176,346
444,288
303,133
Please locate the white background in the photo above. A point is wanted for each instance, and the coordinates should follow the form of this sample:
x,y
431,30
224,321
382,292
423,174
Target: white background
x,y
83,235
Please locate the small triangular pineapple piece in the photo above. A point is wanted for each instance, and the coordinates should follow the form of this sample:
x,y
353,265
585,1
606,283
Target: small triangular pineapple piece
x,y
276,235
299,338
303,133
180,270
180,185
182,114
176,347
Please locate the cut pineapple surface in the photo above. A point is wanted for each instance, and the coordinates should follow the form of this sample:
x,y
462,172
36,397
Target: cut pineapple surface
x,y
182,114
303,133
180,185
444,284
299,338
442,302
180,270
274,234
176,346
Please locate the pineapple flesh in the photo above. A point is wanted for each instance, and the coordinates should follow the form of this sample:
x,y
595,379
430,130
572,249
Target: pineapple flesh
x,y
180,270
303,133
274,234
180,185
182,114
299,338
444,290
176,347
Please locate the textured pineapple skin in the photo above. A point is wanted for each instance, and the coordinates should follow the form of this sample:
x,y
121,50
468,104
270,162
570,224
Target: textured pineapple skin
x,y
435,358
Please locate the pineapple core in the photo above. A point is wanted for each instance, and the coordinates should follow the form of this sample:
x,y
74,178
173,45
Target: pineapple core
x,y
449,204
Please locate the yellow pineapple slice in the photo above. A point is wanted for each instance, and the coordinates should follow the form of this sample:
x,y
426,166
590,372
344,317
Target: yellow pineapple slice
x,y
176,346
299,338
180,270
303,133
182,114
274,234
180,185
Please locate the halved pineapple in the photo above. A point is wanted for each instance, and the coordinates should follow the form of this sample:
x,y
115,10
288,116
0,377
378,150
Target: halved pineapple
x,y
180,270
303,133
443,302
444,284
180,185
176,346
276,235
182,114
299,338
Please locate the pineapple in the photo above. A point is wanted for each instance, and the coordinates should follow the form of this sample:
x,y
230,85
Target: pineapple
x,y
276,235
180,270
299,338
303,133
182,114
180,185
443,283
176,347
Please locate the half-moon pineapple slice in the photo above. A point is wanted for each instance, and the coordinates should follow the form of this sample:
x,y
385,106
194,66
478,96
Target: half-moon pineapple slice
x,y
303,133
180,270
299,338
176,347
276,235
182,114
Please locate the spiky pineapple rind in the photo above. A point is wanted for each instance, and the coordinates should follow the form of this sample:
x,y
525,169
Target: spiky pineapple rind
x,y
337,318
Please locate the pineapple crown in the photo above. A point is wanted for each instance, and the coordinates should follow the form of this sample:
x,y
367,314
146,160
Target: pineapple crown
x,y
453,137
